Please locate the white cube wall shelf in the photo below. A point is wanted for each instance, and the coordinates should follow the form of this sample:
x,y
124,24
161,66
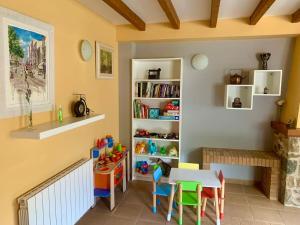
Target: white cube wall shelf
x,y
244,92
266,78
259,80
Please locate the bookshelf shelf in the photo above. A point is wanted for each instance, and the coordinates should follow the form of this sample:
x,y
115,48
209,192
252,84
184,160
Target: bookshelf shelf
x,y
157,80
153,94
157,156
152,98
157,139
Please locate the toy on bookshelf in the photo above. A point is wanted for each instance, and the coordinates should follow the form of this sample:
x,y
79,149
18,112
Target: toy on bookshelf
x,y
140,148
152,148
173,151
163,150
142,133
142,167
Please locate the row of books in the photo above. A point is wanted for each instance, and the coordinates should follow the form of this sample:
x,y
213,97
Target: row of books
x,y
140,110
151,90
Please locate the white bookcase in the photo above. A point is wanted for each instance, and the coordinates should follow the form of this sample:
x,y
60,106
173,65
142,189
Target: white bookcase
x,y
259,80
171,74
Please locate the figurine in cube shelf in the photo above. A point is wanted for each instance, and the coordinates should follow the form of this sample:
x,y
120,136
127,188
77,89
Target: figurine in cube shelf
x,y
152,148
173,151
237,103
266,90
140,148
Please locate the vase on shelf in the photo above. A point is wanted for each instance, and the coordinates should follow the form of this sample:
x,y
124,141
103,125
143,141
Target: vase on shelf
x,y
28,109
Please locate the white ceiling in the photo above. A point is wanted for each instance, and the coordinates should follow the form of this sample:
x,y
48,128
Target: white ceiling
x,y
189,10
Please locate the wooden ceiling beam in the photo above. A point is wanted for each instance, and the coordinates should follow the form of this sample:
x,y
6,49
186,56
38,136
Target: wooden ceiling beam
x,y
260,10
120,7
214,12
170,12
296,16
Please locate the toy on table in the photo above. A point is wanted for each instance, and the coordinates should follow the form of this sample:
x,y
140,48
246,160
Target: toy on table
x,y
173,151
140,148
110,145
142,167
109,168
152,148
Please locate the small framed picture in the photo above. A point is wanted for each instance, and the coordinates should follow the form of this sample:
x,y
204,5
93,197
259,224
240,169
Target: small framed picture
x,y
154,113
104,61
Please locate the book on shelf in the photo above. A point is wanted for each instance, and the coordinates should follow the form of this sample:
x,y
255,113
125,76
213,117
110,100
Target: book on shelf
x,y
140,110
152,90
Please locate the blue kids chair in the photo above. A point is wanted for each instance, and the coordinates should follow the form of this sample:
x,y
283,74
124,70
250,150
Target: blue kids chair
x,y
160,189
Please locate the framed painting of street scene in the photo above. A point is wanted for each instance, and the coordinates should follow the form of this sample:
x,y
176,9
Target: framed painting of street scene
x,y
104,61
27,64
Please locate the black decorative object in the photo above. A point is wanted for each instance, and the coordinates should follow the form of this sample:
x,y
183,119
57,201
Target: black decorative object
x,y
266,90
264,60
80,107
237,103
154,74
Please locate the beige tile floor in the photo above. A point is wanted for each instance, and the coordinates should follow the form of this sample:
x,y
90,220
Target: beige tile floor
x,y
244,205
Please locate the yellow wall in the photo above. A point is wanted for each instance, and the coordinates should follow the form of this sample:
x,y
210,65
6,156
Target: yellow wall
x,y
26,163
226,28
293,92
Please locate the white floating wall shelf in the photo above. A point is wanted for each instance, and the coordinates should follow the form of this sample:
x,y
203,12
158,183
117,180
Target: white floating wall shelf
x,y
46,130
266,78
259,80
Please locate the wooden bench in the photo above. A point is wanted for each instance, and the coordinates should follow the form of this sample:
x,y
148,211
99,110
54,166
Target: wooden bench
x,y
268,160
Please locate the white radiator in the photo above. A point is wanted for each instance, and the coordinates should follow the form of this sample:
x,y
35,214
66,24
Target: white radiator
x,y
61,200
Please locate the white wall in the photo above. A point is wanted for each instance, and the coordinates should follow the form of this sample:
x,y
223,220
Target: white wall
x,y
205,120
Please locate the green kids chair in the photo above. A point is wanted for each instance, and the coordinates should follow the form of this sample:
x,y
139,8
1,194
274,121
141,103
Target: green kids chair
x,y
189,193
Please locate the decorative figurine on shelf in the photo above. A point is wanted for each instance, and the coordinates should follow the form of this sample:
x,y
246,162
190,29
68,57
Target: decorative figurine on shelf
x,y
237,103
142,167
163,150
152,148
264,60
173,151
236,76
140,148
154,74
266,90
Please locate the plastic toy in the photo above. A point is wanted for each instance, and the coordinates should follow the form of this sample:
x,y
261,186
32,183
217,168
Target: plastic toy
x,y
140,148
163,150
173,151
142,167
152,148
141,133
110,145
